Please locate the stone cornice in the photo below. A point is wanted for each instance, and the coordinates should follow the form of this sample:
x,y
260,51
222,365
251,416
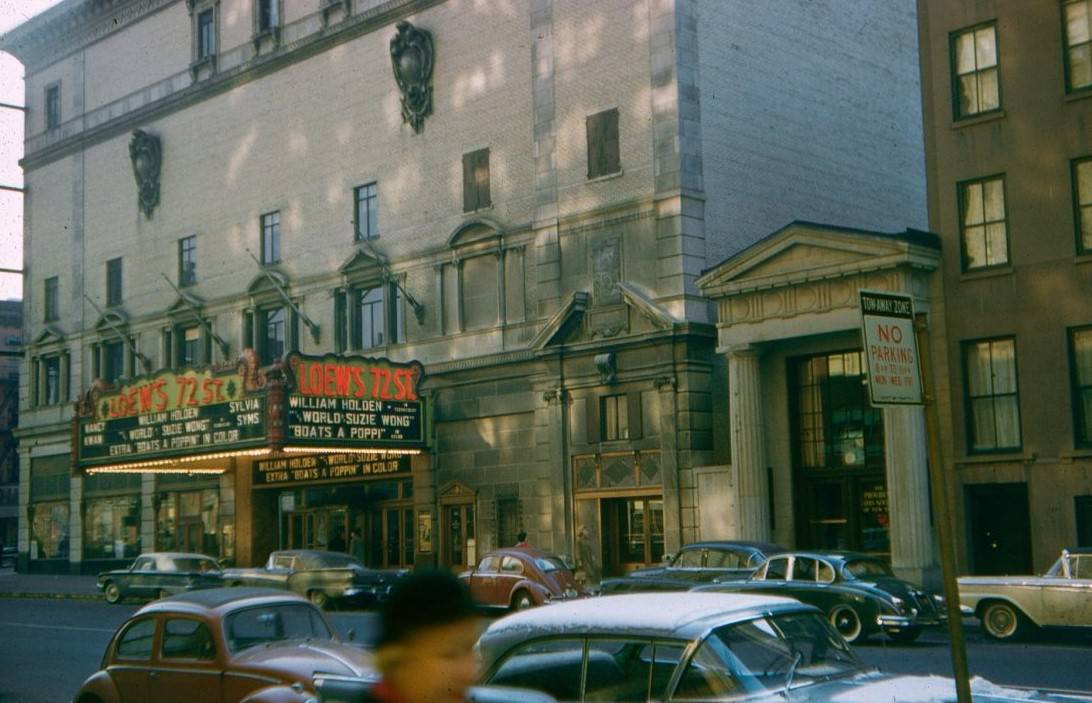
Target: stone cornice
x,y
221,82
73,25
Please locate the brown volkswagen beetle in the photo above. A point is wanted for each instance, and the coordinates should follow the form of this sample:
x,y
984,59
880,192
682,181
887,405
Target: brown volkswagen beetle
x,y
519,578
230,645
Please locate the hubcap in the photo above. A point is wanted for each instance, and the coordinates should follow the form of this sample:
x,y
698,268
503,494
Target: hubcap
x,y
1001,621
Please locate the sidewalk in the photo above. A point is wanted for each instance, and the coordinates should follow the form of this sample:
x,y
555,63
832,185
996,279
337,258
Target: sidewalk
x,y
13,585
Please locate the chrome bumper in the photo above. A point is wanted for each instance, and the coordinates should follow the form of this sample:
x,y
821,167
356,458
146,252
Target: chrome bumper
x,y
902,622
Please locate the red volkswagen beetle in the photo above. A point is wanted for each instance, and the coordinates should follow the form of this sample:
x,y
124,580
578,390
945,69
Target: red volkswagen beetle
x,y
519,578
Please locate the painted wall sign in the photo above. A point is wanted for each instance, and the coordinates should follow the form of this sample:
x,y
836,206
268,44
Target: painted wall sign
x,y
887,328
324,468
171,414
353,402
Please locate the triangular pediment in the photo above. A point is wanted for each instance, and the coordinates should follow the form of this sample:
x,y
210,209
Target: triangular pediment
x,y
455,491
361,262
185,303
50,334
641,302
264,282
563,322
807,251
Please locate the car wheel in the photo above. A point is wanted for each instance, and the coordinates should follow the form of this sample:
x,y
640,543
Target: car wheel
x,y
846,622
905,636
1003,621
112,592
522,601
319,598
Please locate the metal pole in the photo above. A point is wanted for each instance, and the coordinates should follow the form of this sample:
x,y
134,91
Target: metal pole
x,y
943,518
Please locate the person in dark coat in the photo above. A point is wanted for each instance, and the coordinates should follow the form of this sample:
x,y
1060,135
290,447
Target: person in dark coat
x,y
425,650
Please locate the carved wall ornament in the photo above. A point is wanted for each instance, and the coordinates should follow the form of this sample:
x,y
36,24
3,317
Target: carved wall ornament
x,y
412,58
607,366
146,153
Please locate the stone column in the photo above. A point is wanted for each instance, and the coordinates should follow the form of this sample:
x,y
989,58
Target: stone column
x,y
748,435
906,459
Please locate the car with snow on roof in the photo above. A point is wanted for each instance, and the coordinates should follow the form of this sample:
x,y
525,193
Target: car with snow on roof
x,y
699,646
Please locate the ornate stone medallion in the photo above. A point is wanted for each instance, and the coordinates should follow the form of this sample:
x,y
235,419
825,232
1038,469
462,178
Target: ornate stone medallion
x,y
412,58
147,157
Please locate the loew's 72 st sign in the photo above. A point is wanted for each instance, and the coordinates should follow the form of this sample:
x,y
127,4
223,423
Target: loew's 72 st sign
x,y
891,352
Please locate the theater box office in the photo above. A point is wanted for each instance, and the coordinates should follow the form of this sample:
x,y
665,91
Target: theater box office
x,y
313,452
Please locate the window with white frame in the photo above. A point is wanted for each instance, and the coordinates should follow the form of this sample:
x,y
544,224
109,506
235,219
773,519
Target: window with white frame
x,y
271,237
975,77
983,223
992,393
1078,44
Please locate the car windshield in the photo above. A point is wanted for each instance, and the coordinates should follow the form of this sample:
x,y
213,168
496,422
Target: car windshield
x,y
190,564
274,623
550,564
867,568
763,655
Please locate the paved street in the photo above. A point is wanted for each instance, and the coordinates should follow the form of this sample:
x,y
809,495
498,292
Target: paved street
x,y
49,646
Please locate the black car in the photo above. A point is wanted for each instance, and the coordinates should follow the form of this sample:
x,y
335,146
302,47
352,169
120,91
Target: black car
x,y
160,574
859,593
700,562
325,578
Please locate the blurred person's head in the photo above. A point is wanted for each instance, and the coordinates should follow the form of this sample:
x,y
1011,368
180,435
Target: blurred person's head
x,y
427,631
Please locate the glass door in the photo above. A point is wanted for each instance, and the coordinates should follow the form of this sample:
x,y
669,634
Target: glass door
x,y
633,533
458,528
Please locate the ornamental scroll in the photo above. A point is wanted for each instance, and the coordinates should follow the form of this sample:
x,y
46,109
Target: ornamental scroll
x,y
412,58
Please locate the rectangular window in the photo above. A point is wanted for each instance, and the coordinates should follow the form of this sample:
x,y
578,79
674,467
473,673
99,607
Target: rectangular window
x,y
476,180
614,416
271,237
993,397
604,157
267,15
366,213
52,311
983,223
187,260
1078,44
370,318
206,34
837,427
52,373
113,281
113,361
274,330
53,106
189,346
1080,355
1082,200
975,78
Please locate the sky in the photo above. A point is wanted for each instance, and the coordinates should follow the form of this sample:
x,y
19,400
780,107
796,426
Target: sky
x,y
12,14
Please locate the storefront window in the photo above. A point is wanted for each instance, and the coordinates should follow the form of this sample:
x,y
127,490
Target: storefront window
x,y
189,521
837,427
112,528
49,531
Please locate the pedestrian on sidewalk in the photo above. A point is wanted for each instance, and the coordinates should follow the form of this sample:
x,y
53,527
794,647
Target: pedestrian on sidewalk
x,y
425,651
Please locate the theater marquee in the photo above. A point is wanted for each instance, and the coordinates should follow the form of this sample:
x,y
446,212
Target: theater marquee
x,y
353,403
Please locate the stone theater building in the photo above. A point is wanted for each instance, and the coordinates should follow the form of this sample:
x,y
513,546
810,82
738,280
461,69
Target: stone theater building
x,y
496,214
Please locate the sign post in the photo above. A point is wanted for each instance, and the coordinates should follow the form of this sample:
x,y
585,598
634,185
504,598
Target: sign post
x,y
899,373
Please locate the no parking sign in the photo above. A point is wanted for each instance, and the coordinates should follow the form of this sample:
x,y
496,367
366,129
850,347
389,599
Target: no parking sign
x,y
891,351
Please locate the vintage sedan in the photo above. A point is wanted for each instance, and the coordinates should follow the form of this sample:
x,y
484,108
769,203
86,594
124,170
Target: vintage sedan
x,y
700,562
160,574
228,645
325,578
1010,606
520,578
859,593
698,646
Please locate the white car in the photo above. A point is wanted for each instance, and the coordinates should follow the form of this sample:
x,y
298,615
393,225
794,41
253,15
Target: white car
x,y
1009,606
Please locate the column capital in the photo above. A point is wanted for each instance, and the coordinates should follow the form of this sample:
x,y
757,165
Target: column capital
x,y
744,351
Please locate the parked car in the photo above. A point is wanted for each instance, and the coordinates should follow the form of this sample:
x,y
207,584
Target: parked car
x,y
7,557
700,562
1010,606
160,574
333,688
520,578
229,645
859,593
325,578
698,646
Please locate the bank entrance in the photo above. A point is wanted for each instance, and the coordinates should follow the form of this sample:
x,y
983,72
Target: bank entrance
x,y
838,454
